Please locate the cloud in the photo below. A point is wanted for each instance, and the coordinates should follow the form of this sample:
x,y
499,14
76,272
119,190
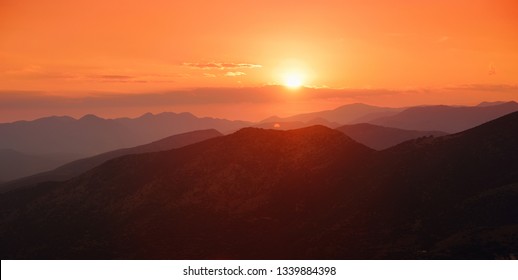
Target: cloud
x,y
209,75
234,74
116,79
497,88
35,72
27,103
14,100
200,96
221,65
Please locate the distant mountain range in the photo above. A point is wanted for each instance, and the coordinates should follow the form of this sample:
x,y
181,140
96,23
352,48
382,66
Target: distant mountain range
x,y
311,193
77,167
30,147
450,119
91,135
380,137
351,113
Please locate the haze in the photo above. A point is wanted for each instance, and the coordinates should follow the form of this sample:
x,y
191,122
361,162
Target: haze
x,y
225,58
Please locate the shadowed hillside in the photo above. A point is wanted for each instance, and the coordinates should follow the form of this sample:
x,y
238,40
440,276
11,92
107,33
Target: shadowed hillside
x,y
380,137
310,193
446,118
345,114
77,167
14,165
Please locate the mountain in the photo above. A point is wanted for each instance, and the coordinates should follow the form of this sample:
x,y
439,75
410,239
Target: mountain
x,y
211,200
77,167
91,135
14,165
446,118
485,103
88,135
311,193
152,127
454,195
342,115
296,124
380,137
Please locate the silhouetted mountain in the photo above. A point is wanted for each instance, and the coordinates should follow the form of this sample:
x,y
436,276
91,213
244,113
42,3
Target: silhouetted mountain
x,y
296,124
380,137
92,135
439,188
485,103
87,135
77,167
342,115
165,124
446,118
299,194
14,165
174,204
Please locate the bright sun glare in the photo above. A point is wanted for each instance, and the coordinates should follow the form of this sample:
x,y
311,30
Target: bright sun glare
x,y
293,80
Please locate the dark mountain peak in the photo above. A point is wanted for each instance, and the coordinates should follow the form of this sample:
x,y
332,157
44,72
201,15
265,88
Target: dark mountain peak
x,y
507,124
314,129
90,117
273,118
147,115
187,114
315,137
503,130
354,105
182,115
492,103
382,137
451,119
511,104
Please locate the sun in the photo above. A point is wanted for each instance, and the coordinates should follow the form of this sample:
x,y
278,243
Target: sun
x,y
293,80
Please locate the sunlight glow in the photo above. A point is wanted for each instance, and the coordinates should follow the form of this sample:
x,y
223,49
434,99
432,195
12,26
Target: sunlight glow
x,y
293,80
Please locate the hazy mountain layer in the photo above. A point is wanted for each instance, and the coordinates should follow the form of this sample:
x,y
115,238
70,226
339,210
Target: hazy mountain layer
x,y
77,167
307,193
380,137
450,119
14,164
92,135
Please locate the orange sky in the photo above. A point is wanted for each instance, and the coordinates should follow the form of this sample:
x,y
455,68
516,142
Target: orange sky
x,y
451,52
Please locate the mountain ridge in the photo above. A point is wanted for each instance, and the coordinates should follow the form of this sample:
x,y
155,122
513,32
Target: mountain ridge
x,y
79,166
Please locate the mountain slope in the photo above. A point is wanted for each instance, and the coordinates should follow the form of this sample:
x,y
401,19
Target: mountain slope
x,y
207,200
380,137
14,165
432,178
311,193
77,167
446,118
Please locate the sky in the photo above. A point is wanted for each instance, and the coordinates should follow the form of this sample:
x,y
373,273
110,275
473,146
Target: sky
x,y
234,59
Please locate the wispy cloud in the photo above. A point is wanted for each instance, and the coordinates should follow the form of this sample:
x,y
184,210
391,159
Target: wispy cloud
x,y
497,88
37,72
17,101
201,96
234,74
221,65
116,79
